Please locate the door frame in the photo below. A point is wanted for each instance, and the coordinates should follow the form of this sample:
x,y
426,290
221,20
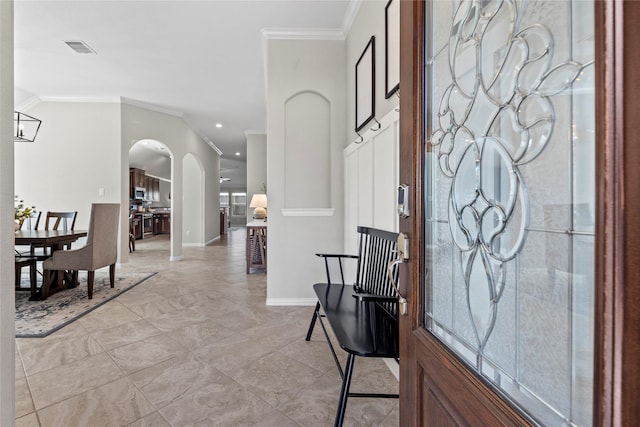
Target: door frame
x,y
617,253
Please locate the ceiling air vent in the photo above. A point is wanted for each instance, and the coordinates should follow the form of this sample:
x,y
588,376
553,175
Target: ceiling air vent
x,y
79,46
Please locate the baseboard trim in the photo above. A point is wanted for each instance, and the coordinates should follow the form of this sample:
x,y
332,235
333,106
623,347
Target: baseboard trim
x,y
210,242
393,366
193,245
176,258
292,301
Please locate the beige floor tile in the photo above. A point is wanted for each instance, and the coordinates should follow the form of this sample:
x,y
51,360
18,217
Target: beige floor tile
x,y
177,319
200,334
315,354
152,420
114,404
276,378
108,316
198,343
19,368
148,352
223,405
60,383
173,379
232,353
393,419
316,405
30,420
150,305
124,334
24,404
43,355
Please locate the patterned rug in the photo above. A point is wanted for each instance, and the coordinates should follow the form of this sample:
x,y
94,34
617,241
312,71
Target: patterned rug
x,y
37,319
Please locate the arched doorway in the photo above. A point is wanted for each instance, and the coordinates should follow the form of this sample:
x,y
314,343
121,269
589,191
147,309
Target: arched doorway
x,y
150,177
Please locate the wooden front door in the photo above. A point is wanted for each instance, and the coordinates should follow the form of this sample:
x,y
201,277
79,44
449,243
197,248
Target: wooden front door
x,y
524,184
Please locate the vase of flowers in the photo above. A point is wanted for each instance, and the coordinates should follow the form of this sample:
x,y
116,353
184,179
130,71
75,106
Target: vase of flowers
x,y
22,212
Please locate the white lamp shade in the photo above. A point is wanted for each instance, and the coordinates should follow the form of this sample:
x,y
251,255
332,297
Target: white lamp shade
x,y
259,202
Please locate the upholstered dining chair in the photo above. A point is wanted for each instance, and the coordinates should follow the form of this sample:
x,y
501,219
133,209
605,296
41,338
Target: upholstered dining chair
x,y
100,250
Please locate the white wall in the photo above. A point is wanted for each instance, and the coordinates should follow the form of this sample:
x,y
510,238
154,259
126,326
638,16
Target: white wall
x,y
256,167
371,180
76,153
192,199
368,22
306,72
7,302
141,123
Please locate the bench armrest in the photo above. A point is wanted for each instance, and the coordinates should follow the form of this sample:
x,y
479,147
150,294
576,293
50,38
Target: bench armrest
x,y
374,298
337,256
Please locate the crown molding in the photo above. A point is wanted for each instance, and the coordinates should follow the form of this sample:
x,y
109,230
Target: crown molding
x,y
151,107
215,148
104,100
254,132
302,34
29,103
350,15
173,113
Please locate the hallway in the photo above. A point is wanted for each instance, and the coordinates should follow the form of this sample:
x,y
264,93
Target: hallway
x,y
195,345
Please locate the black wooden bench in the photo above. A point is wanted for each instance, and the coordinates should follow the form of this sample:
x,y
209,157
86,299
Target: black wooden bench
x,y
363,316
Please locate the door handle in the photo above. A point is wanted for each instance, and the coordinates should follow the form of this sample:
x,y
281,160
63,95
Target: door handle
x,y
403,256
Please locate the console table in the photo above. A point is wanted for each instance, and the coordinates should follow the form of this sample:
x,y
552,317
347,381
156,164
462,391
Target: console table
x,y
256,245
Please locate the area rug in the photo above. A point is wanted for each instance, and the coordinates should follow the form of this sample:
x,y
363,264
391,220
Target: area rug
x,y
37,319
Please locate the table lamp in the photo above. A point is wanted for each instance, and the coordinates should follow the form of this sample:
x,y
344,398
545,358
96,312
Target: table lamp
x,y
259,202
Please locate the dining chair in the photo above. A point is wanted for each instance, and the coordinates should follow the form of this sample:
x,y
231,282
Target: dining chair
x,y
32,222
68,220
100,250
28,224
55,221
26,261
23,256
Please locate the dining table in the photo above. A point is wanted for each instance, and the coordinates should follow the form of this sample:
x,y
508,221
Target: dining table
x,y
56,240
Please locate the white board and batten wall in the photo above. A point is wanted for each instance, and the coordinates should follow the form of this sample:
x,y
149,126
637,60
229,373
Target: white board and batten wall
x,y
371,170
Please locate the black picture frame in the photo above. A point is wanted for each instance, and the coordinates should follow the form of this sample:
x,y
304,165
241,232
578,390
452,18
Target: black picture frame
x,y
392,48
365,85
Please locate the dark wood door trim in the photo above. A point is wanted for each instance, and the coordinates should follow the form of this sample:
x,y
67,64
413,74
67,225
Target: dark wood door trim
x,y
411,133
617,330
617,378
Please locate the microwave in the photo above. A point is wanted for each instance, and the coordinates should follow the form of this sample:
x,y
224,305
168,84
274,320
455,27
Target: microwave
x,y
139,193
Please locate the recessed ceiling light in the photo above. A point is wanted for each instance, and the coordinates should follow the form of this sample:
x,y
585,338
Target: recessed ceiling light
x,y
237,154
218,125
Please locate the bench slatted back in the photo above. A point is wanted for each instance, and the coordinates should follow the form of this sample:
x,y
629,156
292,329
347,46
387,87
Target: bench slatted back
x,y
377,249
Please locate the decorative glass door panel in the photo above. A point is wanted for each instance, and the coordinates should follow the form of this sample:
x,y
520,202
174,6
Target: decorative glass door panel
x,y
510,197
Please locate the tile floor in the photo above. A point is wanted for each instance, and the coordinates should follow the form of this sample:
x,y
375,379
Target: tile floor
x,y
195,345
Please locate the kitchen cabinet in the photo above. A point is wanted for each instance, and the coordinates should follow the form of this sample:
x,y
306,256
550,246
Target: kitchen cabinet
x,y
139,178
147,186
155,189
157,218
135,226
136,179
165,223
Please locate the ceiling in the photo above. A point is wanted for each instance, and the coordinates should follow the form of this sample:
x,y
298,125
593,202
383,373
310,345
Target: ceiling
x,y
201,59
